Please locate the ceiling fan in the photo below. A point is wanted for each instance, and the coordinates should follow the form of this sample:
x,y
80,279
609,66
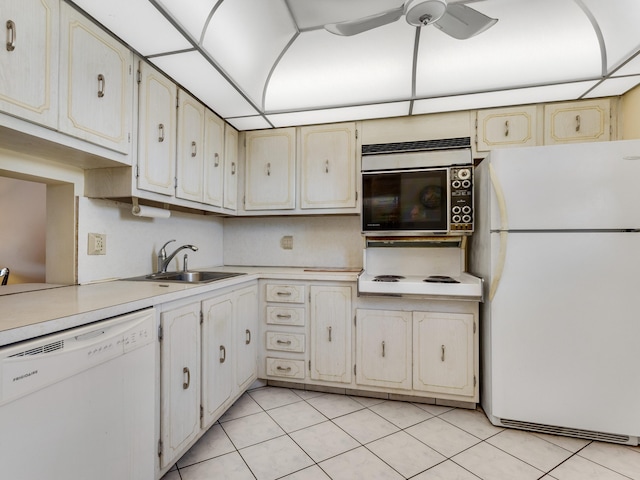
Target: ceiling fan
x,y
455,19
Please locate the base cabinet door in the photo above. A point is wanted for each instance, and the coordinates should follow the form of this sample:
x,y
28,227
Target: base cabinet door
x,y
383,348
247,338
443,346
180,379
330,318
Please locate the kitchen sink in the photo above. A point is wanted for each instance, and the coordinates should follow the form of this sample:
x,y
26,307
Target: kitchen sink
x,y
186,277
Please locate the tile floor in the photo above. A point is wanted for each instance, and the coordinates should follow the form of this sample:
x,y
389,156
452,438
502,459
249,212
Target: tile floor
x,y
272,433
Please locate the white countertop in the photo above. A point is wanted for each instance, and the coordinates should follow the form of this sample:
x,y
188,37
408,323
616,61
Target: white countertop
x,y
35,310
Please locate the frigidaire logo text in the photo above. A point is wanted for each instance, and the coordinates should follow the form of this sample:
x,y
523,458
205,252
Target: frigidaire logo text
x,y
26,375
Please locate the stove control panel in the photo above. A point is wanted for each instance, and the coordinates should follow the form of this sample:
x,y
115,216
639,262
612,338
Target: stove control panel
x,y
461,191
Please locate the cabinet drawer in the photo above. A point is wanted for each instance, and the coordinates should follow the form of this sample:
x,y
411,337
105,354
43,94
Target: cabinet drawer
x,y
278,367
285,342
285,316
285,293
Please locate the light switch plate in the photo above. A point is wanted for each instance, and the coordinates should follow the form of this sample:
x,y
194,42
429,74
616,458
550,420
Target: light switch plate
x,y
97,244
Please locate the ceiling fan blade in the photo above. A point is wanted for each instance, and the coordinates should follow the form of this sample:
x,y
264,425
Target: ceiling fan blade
x,y
462,22
353,27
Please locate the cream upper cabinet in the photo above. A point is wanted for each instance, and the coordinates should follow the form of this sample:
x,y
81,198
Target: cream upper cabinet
x,y
507,127
584,121
328,166
230,194
444,353
213,159
156,131
29,61
330,319
191,118
96,83
383,348
270,169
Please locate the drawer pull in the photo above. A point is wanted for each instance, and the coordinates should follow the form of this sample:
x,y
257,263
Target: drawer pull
x,y
223,354
442,354
248,336
11,36
282,315
101,85
283,294
161,133
283,342
283,369
187,373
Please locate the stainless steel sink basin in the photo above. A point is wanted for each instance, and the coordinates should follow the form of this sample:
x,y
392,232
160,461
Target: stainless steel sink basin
x,y
187,277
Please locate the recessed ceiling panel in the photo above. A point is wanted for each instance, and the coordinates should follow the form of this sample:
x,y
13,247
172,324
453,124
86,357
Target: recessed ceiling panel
x,y
630,68
614,87
533,43
199,77
334,115
191,15
246,38
122,17
321,69
249,123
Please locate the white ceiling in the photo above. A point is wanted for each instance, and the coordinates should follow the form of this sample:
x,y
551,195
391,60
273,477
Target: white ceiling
x,y
270,63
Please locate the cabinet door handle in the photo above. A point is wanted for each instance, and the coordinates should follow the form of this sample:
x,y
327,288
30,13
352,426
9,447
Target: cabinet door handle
x,y
216,160
326,166
223,354
248,336
283,342
506,128
11,36
283,294
101,85
269,169
578,123
161,133
233,168
383,349
329,333
283,369
194,149
187,373
442,353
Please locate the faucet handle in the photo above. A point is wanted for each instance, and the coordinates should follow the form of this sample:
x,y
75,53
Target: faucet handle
x,y
162,252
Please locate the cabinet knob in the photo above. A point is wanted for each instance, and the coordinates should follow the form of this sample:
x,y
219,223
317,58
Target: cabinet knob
x,y
101,85
11,36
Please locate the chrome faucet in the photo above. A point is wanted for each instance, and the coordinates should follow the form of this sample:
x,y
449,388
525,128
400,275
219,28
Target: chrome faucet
x,y
164,260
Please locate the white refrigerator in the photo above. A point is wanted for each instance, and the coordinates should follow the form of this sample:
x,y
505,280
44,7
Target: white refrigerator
x,y
557,242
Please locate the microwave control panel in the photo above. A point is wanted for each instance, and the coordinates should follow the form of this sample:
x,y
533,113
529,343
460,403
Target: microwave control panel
x,y
461,210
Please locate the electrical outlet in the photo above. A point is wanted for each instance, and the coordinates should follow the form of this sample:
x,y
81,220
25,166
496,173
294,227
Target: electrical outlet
x,y
97,244
286,242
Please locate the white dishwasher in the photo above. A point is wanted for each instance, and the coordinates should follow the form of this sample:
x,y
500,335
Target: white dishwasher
x,y
79,404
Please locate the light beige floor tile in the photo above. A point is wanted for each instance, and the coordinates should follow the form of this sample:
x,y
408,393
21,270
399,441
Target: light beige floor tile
x,y
311,473
323,441
242,407
273,397
568,443
490,463
212,444
358,464
332,405
275,458
446,471
579,468
531,449
446,439
433,409
368,401
171,475
625,461
365,426
401,414
405,454
474,422
229,466
306,394
252,429
295,416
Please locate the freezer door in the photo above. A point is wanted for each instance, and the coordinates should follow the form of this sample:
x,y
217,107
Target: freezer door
x,y
565,330
581,186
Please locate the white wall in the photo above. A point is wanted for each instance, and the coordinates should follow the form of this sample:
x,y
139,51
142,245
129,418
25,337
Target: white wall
x,y
321,241
133,242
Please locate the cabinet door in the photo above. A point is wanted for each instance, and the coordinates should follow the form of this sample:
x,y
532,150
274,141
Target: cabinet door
x,y
328,166
230,168
156,132
270,170
330,316
443,353
213,159
586,121
190,147
29,62
180,379
246,353
507,127
383,348
96,83
217,356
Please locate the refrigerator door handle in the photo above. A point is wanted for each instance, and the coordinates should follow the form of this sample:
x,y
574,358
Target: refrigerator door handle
x,y
504,227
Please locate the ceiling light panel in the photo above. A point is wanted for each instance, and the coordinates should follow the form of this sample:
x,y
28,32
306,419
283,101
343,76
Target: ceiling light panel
x,y
192,15
197,75
311,14
522,49
321,69
246,38
630,68
345,114
249,123
614,87
122,17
